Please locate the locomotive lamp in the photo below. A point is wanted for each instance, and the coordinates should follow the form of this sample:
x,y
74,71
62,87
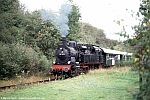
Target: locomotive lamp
x,y
69,62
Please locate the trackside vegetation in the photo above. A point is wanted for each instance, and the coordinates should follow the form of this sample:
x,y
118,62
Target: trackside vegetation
x,y
103,84
124,63
27,42
141,45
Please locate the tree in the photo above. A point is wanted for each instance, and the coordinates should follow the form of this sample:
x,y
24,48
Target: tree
x,y
10,6
48,38
143,40
26,41
10,19
74,25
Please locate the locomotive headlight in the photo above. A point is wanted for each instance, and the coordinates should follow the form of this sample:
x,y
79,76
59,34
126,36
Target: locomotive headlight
x,y
69,62
54,62
66,69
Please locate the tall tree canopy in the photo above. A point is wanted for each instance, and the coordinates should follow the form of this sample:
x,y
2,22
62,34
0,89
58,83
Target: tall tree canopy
x,y
26,41
74,25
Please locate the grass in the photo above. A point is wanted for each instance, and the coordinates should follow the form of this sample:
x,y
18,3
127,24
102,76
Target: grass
x,y
103,84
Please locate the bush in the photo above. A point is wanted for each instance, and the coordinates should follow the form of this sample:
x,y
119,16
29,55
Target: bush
x,y
18,58
124,63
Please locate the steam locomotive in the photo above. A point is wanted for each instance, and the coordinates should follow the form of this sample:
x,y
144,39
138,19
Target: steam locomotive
x,y
74,58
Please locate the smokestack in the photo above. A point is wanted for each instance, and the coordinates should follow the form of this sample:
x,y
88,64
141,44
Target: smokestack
x,y
64,41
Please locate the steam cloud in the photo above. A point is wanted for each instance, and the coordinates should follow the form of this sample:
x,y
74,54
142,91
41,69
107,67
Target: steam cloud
x,y
60,20
63,19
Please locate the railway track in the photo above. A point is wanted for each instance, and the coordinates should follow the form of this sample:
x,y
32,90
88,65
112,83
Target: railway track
x,y
22,84
29,83
51,78
25,84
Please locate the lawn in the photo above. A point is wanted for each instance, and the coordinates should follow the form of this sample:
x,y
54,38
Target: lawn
x,y
102,84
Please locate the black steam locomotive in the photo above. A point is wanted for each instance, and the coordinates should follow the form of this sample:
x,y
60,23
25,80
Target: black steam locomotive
x,y
74,58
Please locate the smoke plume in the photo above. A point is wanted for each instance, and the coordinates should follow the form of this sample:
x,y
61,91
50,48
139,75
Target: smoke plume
x,y
63,19
60,20
49,15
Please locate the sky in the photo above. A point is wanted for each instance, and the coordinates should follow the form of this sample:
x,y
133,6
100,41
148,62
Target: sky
x,y
103,14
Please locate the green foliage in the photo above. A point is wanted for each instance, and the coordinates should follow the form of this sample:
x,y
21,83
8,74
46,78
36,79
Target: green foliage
x,y
26,41
124,63
74,25
141,43
142,39
92,35
48,39
16,58
9,6
131,42
13,22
